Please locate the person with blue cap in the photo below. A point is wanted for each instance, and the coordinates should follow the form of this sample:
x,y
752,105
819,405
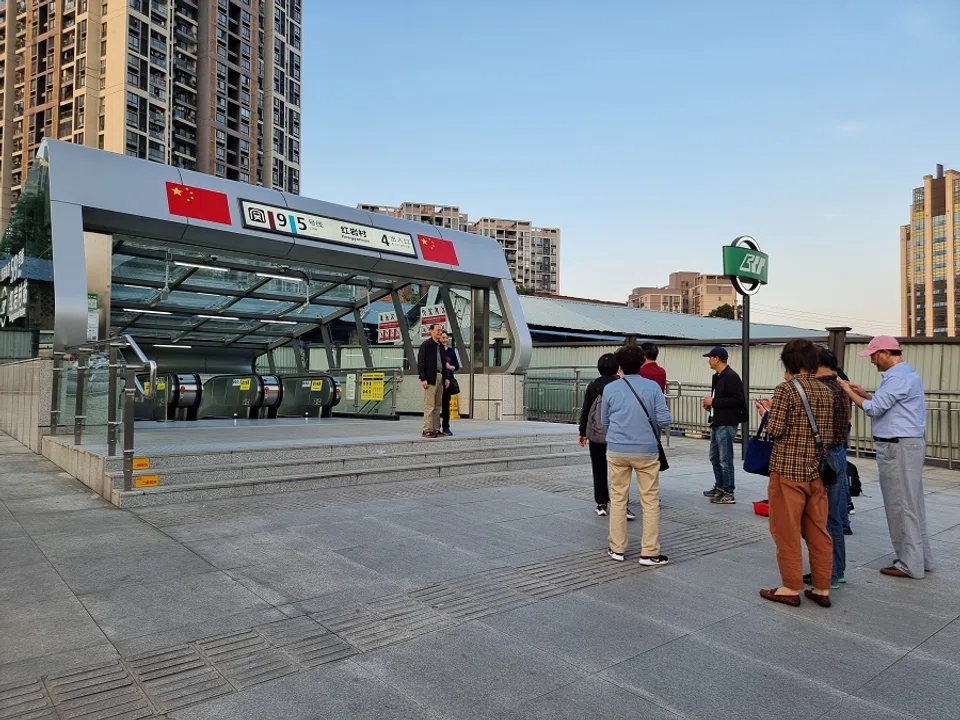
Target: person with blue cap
x,y
728,408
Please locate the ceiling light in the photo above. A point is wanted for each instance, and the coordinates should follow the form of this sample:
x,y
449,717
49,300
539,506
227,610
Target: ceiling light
x,y
175,347
280,277
149,312
278,322
218,317
201,267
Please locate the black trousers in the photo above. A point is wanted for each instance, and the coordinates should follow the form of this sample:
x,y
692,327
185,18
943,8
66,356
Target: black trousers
x,y
598,460
445,410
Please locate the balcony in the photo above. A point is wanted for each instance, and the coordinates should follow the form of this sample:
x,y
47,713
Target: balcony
x,y
157,156
185,31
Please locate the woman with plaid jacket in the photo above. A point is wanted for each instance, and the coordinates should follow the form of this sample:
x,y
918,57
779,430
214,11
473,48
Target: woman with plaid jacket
x,y
798,499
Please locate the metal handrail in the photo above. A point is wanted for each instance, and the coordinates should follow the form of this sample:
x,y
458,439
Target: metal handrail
x,y
147,365
132,386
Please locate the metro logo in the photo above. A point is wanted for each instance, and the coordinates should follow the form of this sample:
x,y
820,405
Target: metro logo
x,y
753,264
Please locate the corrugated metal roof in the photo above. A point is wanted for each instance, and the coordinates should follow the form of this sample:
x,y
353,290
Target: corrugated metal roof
x,y
585,316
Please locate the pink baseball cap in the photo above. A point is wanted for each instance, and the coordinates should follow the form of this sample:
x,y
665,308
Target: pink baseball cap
x,y
880,342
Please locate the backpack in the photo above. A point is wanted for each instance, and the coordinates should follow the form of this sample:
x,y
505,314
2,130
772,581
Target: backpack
x,y
596,432
853,475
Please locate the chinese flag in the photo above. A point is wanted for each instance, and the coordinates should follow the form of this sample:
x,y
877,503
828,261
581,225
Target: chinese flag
x,y
438,250
197,203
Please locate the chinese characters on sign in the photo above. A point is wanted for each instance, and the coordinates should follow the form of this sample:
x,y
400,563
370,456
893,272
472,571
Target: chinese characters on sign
x,y
270,218
388,328
14,297
432,315
371,387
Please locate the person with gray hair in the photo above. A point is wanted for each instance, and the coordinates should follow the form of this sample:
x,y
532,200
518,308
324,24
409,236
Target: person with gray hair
x,y
898,411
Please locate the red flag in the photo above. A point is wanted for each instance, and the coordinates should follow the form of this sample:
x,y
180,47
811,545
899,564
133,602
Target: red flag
x,y
438,250
197,203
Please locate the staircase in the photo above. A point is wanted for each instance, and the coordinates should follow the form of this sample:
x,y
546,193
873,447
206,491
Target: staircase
x,y
251,470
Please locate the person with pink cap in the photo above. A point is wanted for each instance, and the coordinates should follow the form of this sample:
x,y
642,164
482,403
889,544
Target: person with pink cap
x,y
898,412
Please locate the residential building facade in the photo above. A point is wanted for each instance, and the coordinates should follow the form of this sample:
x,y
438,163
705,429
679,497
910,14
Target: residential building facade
x,y
532,253
211,85
930,258
691,293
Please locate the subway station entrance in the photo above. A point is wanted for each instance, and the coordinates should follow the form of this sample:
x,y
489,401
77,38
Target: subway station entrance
x,y
189,309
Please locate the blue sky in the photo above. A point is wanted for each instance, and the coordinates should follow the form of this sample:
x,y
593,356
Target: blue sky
x,y
651,133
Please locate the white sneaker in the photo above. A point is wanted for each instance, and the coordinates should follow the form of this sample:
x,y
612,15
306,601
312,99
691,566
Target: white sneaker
x,y
602,510
615,555
630,515
653,560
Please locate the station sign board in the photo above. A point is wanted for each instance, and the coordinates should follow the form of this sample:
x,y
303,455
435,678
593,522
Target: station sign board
x,y
745,265
14,295
270,218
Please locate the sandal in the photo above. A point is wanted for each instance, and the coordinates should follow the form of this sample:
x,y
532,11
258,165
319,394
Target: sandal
x,y
821,600
791,600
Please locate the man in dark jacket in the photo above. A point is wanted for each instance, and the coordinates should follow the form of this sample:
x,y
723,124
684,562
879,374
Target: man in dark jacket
x,y
728,408
432,378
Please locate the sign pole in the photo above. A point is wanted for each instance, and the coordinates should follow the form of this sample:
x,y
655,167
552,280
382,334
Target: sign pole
x,y
746,266
745,427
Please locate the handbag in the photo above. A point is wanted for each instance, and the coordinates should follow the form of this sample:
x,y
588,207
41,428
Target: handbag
x,y
662,456
756,460
827,473
454,387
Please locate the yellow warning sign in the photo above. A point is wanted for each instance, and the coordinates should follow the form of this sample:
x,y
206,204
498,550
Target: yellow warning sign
x,y
141,463
161,385
146,388
454,408
245,384
147,481
371,387
316,385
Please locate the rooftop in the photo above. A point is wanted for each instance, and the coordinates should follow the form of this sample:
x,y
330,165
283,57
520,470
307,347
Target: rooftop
x,y
578,315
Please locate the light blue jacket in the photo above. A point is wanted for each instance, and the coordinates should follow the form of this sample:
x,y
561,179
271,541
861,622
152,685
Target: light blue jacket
x,y
628,430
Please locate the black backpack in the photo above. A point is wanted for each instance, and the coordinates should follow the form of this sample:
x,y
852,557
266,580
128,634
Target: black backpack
x,y
853,475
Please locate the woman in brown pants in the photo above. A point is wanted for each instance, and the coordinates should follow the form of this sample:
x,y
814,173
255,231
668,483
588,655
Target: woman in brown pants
x,y
798,500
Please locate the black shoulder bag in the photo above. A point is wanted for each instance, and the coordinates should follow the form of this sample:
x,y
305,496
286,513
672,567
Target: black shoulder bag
x,y
827,473
664,465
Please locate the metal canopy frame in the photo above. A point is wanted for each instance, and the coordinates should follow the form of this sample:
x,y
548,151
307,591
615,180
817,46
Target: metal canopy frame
x,y
159,283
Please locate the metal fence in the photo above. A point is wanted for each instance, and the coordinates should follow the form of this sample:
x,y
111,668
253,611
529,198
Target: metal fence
x,y
556,395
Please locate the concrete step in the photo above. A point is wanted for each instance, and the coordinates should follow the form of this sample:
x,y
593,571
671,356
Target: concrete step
x,y
221,489
230,454
368,457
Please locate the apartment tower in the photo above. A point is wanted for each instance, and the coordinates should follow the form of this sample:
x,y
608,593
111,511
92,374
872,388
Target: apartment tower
x,y
532,253
930,258
208,85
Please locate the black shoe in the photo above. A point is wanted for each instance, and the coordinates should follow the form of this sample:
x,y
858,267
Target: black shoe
x,y
723,498
848,530
446,432
712,492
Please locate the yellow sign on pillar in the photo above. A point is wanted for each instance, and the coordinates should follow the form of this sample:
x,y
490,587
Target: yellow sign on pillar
x,y
454,407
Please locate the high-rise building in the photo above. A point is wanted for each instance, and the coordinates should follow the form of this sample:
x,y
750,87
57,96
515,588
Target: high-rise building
x,y
532,253
930,258
691,293
442,215
209,85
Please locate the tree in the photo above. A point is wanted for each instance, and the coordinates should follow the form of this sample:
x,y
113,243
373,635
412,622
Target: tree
x,y
724,311
523,290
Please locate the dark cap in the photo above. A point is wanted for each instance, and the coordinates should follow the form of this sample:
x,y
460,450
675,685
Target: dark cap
x,y
718,352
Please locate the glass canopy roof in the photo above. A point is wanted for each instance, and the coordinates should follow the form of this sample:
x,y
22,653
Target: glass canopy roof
x,y
168,293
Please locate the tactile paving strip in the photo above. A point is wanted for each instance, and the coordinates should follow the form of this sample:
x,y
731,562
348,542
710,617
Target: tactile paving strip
x,y
104,692
177,677
26,700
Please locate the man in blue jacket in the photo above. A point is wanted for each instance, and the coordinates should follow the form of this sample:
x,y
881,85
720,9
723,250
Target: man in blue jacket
x,y
634,412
